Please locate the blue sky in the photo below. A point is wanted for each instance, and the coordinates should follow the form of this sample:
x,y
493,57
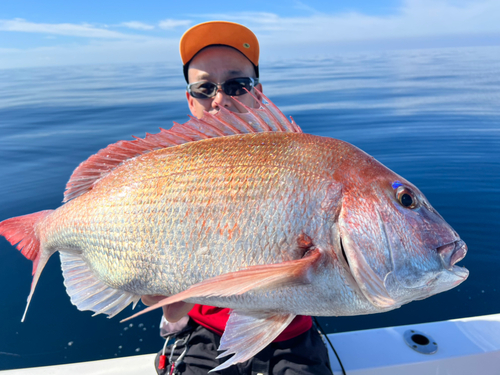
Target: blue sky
x,y
57,32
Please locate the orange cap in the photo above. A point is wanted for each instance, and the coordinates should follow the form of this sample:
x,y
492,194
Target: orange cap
x,y
220,33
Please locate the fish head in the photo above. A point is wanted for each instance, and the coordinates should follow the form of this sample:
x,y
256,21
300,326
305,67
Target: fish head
x,y
395,244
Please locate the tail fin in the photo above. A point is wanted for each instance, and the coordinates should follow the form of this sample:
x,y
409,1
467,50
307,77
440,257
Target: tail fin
x,y
21,230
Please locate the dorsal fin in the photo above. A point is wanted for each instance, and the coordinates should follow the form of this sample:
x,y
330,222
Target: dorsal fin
x,y
266,118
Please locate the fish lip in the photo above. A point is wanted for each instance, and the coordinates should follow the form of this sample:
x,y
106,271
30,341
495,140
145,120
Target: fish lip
x,y
460,272
452,253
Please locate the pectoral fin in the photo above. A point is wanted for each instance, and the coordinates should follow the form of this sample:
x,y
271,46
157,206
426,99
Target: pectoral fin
x,y
272,276
247,333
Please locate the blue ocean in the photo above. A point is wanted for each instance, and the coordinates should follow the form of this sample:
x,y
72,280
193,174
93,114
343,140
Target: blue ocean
x,y
433,116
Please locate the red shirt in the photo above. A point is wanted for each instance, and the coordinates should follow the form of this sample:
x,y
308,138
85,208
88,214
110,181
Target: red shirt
x,y
215,319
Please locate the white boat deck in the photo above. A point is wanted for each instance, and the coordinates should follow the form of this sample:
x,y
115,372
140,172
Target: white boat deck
x,y
467,346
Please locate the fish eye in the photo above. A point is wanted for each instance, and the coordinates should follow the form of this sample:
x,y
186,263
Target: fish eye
x,y
406,197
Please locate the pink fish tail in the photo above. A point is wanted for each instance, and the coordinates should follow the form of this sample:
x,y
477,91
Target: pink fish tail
x,y
21,232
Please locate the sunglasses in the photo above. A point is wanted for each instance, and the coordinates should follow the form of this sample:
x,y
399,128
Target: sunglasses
x,y
231,87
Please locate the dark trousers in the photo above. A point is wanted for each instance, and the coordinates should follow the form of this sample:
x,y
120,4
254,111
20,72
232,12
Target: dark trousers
x,y
302,355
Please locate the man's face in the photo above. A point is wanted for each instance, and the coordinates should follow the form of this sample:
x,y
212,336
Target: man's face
x,y
218,64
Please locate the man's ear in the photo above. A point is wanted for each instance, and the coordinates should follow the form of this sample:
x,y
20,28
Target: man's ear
x,y
190,101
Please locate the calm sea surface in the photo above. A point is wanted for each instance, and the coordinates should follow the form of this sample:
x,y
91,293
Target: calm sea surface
x,y
432,116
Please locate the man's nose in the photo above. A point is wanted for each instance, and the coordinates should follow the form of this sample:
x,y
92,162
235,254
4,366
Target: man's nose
x,y
221,99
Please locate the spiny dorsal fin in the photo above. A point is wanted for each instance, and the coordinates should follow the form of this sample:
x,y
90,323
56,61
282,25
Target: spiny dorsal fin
x,y
267,118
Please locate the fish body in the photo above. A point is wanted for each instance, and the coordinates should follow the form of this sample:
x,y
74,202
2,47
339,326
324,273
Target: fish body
x,y
202,209
245,212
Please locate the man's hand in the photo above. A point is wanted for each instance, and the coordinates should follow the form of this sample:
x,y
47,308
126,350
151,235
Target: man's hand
x,y
173,312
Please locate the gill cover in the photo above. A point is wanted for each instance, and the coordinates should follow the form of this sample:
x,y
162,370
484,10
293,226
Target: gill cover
x,y
366,250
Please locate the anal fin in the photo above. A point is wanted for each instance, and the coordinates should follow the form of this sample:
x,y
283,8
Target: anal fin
x,y
247,333
87,292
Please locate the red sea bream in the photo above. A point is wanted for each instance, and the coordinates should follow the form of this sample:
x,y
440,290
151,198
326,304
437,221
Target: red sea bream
x,y
247,212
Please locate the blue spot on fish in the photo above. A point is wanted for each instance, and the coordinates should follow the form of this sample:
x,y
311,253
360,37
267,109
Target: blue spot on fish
x,y
396,184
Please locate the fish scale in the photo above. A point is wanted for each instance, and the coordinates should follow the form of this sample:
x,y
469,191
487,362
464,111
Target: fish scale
x,y
185,198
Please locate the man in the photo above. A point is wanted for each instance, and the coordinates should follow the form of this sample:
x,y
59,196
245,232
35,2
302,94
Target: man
x,y
220,60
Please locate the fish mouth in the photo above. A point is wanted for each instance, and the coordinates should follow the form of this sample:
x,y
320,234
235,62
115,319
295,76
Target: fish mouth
x,y
452,253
